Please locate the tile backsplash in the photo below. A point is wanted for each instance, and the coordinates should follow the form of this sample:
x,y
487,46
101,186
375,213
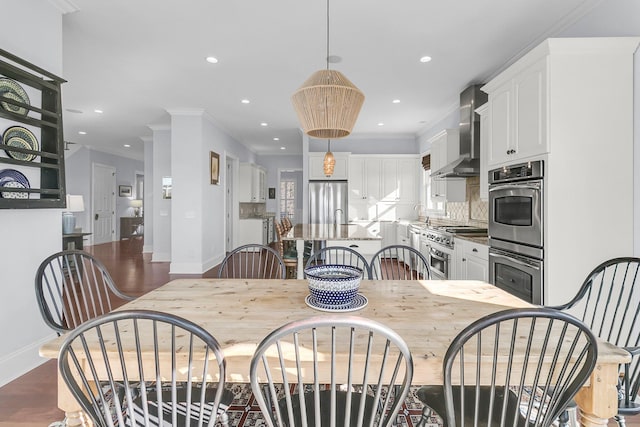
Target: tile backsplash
x,y
473,210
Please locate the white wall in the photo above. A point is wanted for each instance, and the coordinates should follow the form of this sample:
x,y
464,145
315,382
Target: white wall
x,y
28,235
367,145
149,194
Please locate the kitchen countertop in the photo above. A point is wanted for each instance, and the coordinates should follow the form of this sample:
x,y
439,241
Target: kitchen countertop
x,y
330,232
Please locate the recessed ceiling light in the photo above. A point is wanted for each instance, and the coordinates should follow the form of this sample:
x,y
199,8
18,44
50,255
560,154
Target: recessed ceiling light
x,y
282,148
82,132
245,101
264,124
380,124
212,60
425,59
127,145
396,101
276,139
98,111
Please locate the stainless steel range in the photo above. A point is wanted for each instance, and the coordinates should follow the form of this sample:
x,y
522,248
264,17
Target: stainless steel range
x,y
440,240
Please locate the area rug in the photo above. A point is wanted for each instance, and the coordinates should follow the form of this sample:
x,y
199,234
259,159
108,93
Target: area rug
x,y
244,410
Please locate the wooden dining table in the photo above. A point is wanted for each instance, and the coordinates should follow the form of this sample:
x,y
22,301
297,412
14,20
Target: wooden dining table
x,y
428,314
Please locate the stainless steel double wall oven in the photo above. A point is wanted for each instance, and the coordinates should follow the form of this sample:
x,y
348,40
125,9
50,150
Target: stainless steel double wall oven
x,y
516,230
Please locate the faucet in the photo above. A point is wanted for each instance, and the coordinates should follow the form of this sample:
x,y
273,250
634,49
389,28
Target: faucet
x,y
418,208
335,215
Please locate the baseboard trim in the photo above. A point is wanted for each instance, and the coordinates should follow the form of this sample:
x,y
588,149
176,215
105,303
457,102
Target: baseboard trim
x,y
21,361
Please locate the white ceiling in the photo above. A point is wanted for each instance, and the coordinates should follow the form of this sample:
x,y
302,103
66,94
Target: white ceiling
x,y
134,59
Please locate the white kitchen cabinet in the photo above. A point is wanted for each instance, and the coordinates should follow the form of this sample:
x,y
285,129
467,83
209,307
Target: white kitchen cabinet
x,y
471,260
400,179
384,178
366,248
252,231
483,111
517,115
445,149
340,170
252,187
388,233
364,178
579,118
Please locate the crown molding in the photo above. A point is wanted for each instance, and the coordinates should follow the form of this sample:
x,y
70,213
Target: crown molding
x,y
65,6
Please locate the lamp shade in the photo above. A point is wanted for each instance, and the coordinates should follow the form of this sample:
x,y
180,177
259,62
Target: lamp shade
x,y
327,105
75,203
329,163
136,203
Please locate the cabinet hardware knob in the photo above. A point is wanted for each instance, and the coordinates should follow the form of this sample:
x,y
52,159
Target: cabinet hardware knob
x,y
474,250
464,259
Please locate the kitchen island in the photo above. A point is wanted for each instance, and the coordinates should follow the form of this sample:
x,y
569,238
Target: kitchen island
x,y
350,235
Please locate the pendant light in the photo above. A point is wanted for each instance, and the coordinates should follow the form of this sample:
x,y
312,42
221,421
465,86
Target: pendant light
x,y
329,161
327,103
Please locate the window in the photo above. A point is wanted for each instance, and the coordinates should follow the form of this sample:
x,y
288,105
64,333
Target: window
x,y
288,198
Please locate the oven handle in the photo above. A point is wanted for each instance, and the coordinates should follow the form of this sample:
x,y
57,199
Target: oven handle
x,y
514,187
515,261
433,254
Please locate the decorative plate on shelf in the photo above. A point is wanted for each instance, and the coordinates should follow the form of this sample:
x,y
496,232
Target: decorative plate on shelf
x,y
358,302
11,89
18,136
11,178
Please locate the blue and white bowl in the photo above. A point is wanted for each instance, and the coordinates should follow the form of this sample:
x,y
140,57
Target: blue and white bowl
x,y
333,285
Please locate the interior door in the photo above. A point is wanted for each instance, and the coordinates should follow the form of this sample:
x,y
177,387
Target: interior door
x,y
103,203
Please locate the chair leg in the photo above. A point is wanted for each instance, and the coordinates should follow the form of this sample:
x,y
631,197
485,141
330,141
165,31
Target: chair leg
x,y
563,419
426,414
224,419
620,420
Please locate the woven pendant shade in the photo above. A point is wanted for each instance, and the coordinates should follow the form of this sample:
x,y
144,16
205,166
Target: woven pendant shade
x,y
327,105
329,163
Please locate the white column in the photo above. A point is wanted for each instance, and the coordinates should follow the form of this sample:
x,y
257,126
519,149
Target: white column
x,y
149,193
190,172
160,207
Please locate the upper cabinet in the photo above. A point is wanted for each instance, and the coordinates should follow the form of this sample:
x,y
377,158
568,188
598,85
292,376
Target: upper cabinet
x,y
392,178
444,149
517,124
364,178
316,166
32,161
252,186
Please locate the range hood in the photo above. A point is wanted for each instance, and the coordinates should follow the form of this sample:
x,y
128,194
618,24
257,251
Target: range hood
x,y
468,162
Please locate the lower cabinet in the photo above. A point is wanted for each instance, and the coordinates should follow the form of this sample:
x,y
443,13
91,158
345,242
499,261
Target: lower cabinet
x,y
366,248
253,231
472,260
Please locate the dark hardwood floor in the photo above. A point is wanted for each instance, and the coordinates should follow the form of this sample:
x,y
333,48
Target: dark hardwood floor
x,y
31,400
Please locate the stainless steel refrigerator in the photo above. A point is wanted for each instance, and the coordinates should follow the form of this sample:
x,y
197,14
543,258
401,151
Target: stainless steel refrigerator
x,y
328,202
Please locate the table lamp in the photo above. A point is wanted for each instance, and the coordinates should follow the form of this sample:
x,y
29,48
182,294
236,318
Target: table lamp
x,y
136,204
75,203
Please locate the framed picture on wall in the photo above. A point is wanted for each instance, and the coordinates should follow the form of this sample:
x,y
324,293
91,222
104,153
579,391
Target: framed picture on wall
x,y
124,190
214,164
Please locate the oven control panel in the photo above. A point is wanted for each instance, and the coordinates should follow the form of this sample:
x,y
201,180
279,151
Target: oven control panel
x,y
529,170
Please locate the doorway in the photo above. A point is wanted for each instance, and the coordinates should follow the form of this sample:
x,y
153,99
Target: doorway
x,y
289,196
103,201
